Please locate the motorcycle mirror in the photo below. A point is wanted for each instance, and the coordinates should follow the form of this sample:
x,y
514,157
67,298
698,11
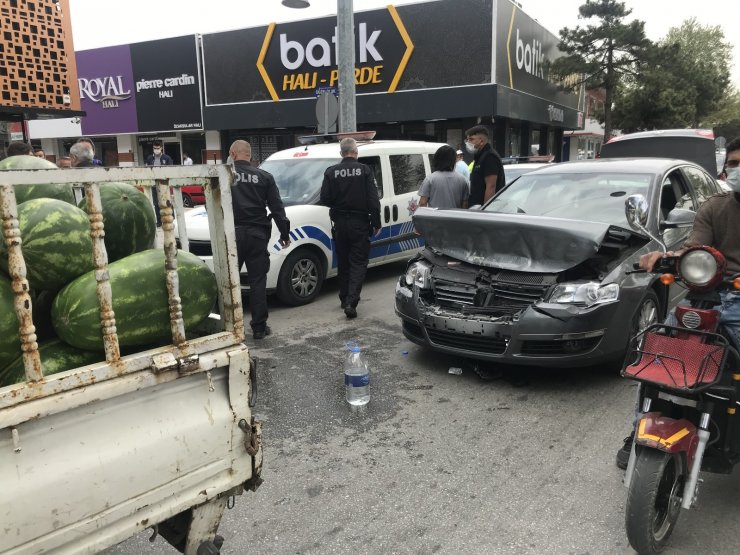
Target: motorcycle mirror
x,y
636,209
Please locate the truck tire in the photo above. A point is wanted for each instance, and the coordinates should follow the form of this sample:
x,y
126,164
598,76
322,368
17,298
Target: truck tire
x,y
301,278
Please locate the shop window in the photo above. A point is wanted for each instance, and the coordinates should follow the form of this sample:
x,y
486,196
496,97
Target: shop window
x,y
408,172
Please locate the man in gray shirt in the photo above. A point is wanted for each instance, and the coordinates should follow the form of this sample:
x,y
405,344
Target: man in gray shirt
x,y
445,188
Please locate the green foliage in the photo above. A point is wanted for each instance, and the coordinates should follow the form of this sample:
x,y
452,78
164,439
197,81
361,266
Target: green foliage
x,y
726,119
605,52
682,84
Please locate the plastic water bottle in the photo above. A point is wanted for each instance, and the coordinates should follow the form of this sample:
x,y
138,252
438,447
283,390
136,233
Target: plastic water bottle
x,y
356,377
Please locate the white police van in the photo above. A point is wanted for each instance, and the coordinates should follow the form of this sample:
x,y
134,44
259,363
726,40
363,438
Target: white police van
x,y
298,272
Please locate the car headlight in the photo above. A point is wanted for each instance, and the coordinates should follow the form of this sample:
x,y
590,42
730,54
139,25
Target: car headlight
x,y
588,294
419,274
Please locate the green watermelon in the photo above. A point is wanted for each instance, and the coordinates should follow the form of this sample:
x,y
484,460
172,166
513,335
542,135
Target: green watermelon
x,y
129,220
56,356
56,243
59,191
139,301
10,341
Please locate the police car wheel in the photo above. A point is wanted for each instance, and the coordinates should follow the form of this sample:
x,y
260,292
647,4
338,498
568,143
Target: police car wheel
x,y
301,278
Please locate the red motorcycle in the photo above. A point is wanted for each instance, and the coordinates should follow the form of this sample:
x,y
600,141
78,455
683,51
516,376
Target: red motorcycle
x,y
688,397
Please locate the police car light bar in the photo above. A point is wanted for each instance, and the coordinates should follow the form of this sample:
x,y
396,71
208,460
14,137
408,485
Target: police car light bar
x,y
336,137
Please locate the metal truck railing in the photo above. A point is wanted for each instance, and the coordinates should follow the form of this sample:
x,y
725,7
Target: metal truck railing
x,y
185,355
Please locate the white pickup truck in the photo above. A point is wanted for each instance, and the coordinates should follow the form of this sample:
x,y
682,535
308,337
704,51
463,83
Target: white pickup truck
x,y
162,438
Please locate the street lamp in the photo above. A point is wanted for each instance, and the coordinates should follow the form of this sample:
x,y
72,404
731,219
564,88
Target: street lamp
x,y
345,60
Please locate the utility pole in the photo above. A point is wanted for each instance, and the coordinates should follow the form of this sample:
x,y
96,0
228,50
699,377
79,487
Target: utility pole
x,y
345,60
346,65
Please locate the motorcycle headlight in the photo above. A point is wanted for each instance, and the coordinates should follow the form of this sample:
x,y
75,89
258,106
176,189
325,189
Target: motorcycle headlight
x,y
419,274
586,294
701,268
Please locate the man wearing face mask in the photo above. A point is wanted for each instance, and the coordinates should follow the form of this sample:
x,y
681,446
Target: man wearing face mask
x,y
717,224
488,171
157,158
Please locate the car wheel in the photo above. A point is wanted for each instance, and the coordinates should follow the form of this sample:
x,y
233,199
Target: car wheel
x,y
301,278
187,202
647,314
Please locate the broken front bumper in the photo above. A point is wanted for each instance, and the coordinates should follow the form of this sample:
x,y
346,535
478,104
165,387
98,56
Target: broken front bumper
x,y
543,334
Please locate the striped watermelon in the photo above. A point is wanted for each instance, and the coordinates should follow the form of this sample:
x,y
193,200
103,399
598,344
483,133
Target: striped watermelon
x,y
59,191
139,301
10,342
56,243
56,356
129,220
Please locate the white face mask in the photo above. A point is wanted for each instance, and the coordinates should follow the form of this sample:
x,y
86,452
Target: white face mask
x,y
470,147
157,151
733,179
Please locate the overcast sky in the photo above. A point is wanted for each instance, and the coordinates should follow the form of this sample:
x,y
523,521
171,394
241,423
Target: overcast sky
x,y
96,24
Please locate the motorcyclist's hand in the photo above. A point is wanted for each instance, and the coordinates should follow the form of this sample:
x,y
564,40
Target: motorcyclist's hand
x,y
285,243
647,261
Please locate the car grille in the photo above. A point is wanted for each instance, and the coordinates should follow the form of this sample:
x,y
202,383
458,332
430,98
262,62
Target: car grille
x,y
516,292
476,343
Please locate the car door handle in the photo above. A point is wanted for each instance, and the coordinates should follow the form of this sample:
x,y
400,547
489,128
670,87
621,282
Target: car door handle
x,y
395,213
387,214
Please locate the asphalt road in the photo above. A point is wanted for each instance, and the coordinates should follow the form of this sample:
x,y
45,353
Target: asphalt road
x,y
437,462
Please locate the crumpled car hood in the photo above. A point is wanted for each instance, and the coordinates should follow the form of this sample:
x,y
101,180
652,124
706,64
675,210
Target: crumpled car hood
x,y
510,241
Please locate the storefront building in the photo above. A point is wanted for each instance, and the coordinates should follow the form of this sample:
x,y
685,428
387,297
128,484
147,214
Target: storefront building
x,y
424,71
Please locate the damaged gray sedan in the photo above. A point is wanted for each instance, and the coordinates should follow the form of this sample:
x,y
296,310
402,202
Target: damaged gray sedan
x,y
542,274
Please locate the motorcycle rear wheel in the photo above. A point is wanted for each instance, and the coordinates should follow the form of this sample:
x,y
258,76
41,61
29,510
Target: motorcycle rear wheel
x,y
654,499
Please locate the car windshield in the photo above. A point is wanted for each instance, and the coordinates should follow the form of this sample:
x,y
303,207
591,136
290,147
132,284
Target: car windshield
x,y
597,197
299,180
512,171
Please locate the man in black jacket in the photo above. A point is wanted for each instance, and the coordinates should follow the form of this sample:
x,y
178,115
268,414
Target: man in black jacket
x,y
487,175
350,193
253,189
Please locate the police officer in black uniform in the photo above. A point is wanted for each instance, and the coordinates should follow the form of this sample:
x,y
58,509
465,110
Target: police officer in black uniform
x,y
350,193
253,189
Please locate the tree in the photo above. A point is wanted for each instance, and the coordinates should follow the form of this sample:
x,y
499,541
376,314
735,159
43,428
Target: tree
x,y
682,85
604,53
726,120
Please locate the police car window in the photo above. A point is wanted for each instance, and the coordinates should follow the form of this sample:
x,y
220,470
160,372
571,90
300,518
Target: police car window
x,y
299,180
408,172
374,163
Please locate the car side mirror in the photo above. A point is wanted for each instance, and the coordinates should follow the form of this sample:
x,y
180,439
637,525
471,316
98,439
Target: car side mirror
x,y
678,217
